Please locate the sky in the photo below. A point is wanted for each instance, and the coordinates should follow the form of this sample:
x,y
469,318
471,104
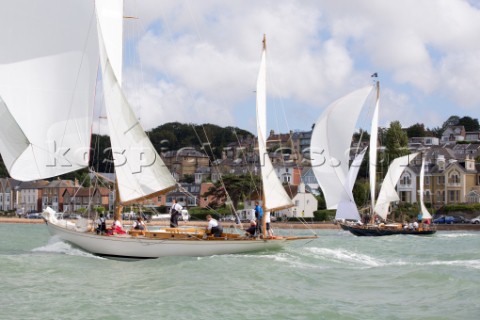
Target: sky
x,y
197,61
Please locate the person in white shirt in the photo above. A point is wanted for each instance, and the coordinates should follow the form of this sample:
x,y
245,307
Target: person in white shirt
x,y
101,223
175,212
139,224
267,222
213,227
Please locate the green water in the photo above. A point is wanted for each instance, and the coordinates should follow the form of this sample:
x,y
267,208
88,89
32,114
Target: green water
x,y
337,276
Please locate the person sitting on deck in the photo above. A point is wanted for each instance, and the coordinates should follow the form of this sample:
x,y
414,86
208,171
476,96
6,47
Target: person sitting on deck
x,y
251,230
117,227
101,225
139,224
213,227
415,225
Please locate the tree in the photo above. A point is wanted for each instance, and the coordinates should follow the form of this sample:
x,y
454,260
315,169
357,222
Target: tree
x,y
452,121
469,123
416,130
237,187
396,142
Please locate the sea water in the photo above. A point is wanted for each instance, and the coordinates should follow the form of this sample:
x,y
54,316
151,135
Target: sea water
x,y
337,276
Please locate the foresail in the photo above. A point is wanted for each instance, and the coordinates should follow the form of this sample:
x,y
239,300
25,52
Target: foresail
x,y
140,171
330,145
388,193
275,196
355,167
48,73
425,213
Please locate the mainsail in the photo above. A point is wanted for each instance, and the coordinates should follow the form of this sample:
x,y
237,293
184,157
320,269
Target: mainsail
x,y
274,195
47,83
330,145
373,149
140,171
388,192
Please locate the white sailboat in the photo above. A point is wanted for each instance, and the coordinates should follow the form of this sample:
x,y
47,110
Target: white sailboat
x,y
47,83
331,139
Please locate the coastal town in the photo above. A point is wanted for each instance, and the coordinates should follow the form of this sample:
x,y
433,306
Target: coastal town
x,y
452,177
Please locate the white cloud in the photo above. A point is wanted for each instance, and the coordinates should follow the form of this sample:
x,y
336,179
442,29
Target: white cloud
x,y
200,58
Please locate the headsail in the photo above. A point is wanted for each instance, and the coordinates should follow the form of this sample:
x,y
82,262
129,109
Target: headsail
x,y
275,196
330,145
140,171
47,82
388,193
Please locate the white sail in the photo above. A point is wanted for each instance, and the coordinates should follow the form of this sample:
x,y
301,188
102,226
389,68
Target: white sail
x,y
140,171
423,209
275,196
47,80
355,167
373,149
348,209
388,192
329,151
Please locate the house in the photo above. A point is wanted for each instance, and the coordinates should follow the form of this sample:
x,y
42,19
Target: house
x,y
89,198
453,133
305,203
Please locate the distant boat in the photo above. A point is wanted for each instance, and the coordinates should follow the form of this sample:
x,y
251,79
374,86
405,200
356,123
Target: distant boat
x,y
47,84
387,195
331,140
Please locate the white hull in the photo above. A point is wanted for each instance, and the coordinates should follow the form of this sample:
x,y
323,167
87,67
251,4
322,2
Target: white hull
x,y
125,246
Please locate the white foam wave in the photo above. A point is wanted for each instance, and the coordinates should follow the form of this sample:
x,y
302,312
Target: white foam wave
x,y
458,235
473,264
56,245
342,255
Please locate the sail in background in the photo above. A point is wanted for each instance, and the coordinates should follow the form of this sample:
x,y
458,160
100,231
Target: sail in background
x,y
47,83
423,209
329,151
388,193
275,196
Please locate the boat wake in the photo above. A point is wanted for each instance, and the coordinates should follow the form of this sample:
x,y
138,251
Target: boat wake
x,y
56,245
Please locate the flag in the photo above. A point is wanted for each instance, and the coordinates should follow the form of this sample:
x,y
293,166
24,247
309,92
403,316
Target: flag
x,y
375,75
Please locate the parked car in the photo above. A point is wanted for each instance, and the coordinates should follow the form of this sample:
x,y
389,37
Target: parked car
x,y
475,220
444,220
460,219
33,215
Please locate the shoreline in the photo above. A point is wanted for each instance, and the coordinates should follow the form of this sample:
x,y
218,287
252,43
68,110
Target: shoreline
x,y
277,225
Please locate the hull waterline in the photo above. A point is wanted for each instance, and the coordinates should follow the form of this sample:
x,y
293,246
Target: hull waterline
x,y
376,231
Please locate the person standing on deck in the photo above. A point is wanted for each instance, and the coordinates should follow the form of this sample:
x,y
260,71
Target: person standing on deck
x,y
258,216
175,212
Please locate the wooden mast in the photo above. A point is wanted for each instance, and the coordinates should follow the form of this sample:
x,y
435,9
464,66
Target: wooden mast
x,y
372,219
